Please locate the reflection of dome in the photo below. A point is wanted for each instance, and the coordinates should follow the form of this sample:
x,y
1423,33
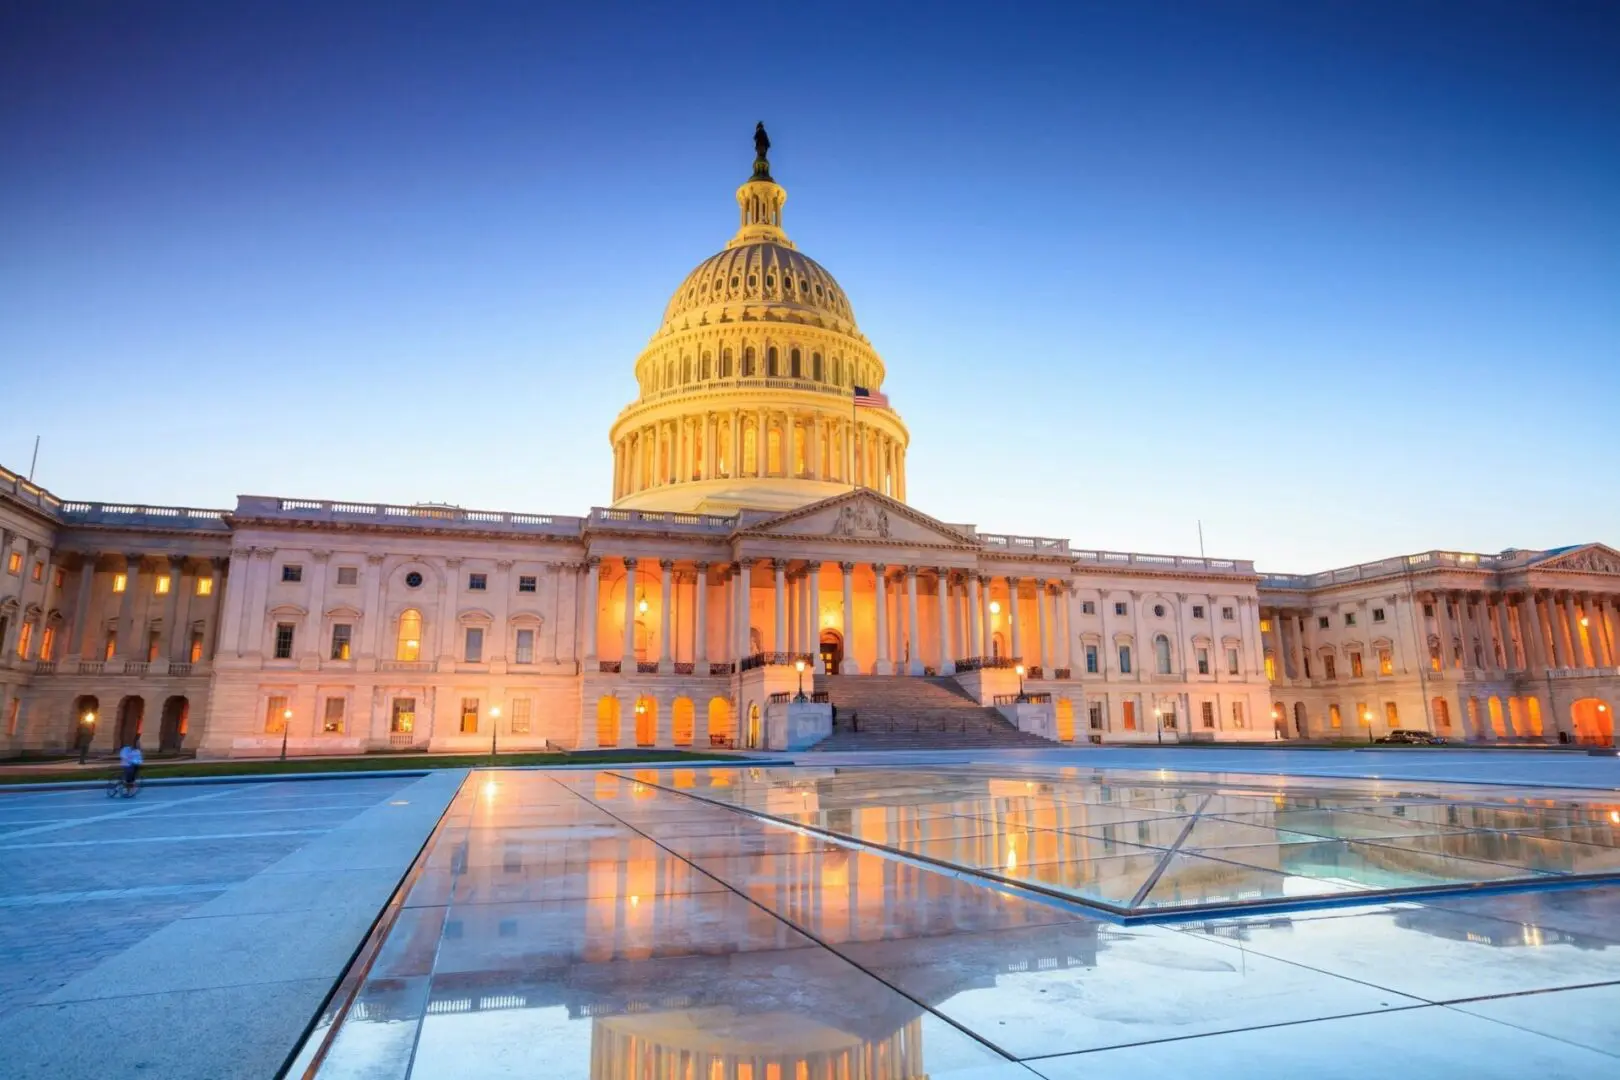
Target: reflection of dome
x,y
747,390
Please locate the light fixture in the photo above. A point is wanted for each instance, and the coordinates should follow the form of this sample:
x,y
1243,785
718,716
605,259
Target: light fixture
x,y
89,717
1614,816
1585,621
641,605
995,607
286,714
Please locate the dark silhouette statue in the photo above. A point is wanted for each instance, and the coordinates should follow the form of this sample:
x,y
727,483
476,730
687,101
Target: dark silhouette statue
x,y
762,141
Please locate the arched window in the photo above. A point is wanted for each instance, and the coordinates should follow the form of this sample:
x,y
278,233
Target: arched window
x,y
795,365
748,362
815,367
838,371
686,369
725,363
704,374
1161,654
669,373
409,645
770,362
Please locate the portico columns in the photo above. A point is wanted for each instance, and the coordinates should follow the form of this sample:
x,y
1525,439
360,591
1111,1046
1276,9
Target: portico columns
x,y
1602,631
81,608
700,638
1572,622
914,665
593,577
1530,632
813,617
987,640
171,612
743,642
1012,616
627,657
975,627
125,647
1041,658
882,666
666,569
779,642
1504,628
849,667
942,588
1065,653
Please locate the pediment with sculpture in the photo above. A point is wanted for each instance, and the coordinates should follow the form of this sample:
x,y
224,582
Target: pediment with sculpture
x,y
1591,559
861,516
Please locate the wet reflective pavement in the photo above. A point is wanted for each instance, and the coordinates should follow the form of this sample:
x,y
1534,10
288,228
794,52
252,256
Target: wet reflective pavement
x,y
870,923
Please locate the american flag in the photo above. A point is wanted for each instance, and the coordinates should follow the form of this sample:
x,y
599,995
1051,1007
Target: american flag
x,y
872,399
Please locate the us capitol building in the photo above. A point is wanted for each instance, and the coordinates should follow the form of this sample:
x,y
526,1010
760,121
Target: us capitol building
x,y
758,520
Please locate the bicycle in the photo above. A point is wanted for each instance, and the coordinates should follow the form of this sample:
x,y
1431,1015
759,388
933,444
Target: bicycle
x,y
117,789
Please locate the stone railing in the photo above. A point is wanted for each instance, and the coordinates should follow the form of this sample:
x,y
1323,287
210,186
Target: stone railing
x,y
1021,699
1181,563
130,515
1383,568
25,491
986,663
659,521
721,667
1034,545
426,516
405,665
775,659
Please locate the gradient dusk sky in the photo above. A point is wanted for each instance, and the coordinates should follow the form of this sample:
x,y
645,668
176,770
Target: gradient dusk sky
x,y
1340,279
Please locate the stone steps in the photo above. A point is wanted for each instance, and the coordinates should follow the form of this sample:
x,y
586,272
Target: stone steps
x,y
899,712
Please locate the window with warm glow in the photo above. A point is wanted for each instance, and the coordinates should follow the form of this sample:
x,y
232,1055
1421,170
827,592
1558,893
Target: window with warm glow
x,y
520,716
1355,665
469,716
111,647
275,716
58,577
24,637
409,645
1334,718
332,718
1386,662
14,563
1330,668
153,642
162,585
342,636
402,718
1128,711
196,646
1271,668
1362,715
47,643
1392,716
39,571
120,582
205,586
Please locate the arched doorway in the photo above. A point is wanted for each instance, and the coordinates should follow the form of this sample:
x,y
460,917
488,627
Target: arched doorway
x,y
753,725
683,718
997,647
1442,715
646,721
1493,709
1065,720
832,651
86,717
1299,719
720,730
607,720
172,728
131,715
1594,722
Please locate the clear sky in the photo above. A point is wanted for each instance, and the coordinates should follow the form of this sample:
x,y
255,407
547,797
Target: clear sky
x,y
1340,279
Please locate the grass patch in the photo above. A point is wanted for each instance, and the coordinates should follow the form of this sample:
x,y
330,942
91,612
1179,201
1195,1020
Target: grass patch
x,y
369,763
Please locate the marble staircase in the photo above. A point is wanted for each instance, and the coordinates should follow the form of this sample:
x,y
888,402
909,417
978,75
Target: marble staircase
x,y
898,712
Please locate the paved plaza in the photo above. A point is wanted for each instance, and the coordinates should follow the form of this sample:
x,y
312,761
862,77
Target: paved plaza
x,y
962,917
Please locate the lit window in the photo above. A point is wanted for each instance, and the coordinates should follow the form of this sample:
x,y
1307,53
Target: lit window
x,y
1386,662
1329,667
1363,714
1391,715
408,647
284,641
342,634
1265,626
402,718
1124,659
120,582
292,572
475,645
39,571
47,643
110,649
1335,719
520,716
1208,713
275,715
332,718
14,563
1128,714
24,636
196,646
1355,665
1271,668
348,575
205,586
526,584
1231,661
525,647
477,582
1203,661
58,577
469,716
162,586
153,640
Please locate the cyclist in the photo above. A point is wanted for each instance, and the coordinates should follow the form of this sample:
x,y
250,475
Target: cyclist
x,y
131,759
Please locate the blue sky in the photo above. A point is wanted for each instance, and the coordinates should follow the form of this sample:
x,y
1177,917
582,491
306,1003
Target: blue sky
x,y
1341,280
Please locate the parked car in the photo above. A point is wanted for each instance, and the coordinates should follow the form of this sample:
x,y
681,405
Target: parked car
x,y
1408,737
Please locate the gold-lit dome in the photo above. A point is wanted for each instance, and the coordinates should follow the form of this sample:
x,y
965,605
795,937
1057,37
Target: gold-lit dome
x,y
748,389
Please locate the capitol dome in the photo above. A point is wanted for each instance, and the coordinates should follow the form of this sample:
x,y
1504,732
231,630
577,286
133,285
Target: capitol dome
x,y
758,388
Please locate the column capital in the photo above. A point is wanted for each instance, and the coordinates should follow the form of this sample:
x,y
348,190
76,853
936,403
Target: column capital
x,y
847,567
813,567
374,559
132,560
666,564
320,556
1014,580
176,562
630,562
779,565
702,568
593,561
503,565
261,553
879,568
911,571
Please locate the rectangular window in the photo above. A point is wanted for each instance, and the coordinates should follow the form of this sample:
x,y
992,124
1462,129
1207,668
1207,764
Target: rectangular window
x,y
1124,659
1198,611
58,577
1386,662
1129,715
196,646
161,587
1265,626
1119,609
1231,661
469,716
111,647
1095,711
1330,668
275,716
402,720
1428,611
1271,668
348,575
525,647
1335,718
1391,716
120,582
39,571
24,636
526,583
1349,618
284,640
1208,712
1363,714
332,718
13,715
477,582
292,572
1228,614
520,716
47,643
1091,659
14,563
1378,614
1237,714
474,653
1088,607
1322,622
205,586
1203,661
152,637
342,635
1355,665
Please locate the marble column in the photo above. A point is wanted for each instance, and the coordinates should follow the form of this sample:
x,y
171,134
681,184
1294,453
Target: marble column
x,y
975,618
1043,655
85,646
126,647
1603,626
882,666
1572,625
987,634
849,666
1504,629
1530,642
666,575
593,584
779,638
947,666
700,631
627,646
1442,613
813,575
1015,640
173,645
1064,598
741,605
914,664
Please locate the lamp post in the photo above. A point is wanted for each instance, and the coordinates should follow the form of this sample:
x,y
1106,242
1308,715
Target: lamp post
x,y
799,664
494,727
1276,722
286,723
1366,718
87,732
1158,723
1020,669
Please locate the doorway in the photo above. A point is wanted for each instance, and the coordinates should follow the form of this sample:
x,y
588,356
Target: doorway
x,y
131,715
172,727
753,726
1594,722
832,652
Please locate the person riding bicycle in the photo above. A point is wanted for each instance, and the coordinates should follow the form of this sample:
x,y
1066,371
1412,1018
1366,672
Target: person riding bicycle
x,y
131,759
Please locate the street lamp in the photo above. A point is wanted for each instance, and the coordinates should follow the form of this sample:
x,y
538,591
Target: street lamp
x,y
494,726
1276,722
799,664
1366,718
1021,697
1158,723
286,723
87,729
